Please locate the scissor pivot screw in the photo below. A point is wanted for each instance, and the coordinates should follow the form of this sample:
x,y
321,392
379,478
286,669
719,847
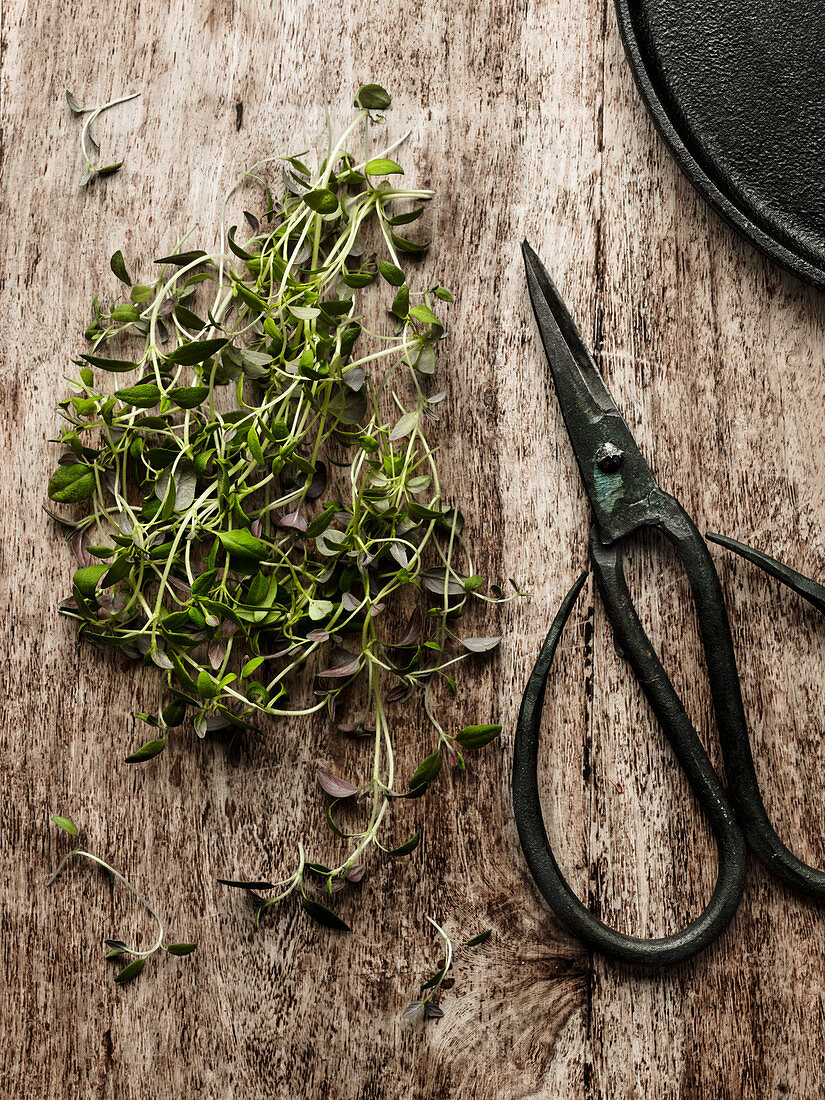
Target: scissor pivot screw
x,y
609,457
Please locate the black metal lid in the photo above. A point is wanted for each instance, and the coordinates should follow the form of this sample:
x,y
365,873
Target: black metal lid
x,y
737,89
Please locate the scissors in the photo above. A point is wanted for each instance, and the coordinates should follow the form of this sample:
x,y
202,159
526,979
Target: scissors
x,y
625,497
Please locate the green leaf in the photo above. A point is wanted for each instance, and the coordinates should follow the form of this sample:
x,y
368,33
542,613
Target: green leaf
x,y
322,200
131,971
322,915
117,571
244,544
196,351
305,313
426,771
126,313
144,396
403,245
141,293
86,580
443,294
116,366
188,318
252,665
174,713
424,314
408,845
321,521
208,686
69,484
180,948
394,275
401,303
241,253
189,397
204,582
65,823
109,169
373,97
475,737
480,938
147,752
181,259
254,445
381,166
119,268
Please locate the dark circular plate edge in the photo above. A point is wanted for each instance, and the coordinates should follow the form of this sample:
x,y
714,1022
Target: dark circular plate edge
x,y
792,261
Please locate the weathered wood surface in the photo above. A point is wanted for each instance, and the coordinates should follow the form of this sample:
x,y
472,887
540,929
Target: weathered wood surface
x,y
525,121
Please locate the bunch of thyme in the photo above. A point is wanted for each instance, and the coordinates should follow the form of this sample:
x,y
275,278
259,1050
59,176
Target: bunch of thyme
x,y
250,510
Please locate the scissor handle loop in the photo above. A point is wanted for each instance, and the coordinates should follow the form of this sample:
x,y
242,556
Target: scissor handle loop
x,y
700,772
743,784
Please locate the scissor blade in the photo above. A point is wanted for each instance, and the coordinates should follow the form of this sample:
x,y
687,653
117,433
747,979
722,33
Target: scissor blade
x,y
618,483
574,372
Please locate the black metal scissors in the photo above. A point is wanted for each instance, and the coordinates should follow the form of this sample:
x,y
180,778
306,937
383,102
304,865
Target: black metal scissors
x,y
625,497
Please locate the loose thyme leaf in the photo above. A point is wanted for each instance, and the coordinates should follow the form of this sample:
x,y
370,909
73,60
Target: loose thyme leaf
x,y
324,916
148,751
66,823
383,167
130,971
373,97
118,265
475,737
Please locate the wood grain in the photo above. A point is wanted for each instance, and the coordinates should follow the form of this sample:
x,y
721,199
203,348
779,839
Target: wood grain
x,y
525,122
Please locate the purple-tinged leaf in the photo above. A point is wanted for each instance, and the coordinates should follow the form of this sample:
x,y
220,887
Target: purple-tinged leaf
x,y
217,652
350,602
318,483
344,664
318,636
256,527
335,786
357,872
399,552
78,542
414,1011
354,378
433,581
336,884
377,608
161,660
480,645
398,692
433,1012
294,520
414,627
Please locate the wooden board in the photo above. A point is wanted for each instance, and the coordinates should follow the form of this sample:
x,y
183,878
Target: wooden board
x,y
526,122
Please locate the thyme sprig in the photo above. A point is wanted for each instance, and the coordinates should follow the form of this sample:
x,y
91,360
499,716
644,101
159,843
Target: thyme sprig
x,y
261,500
88,145
425,1007
117,948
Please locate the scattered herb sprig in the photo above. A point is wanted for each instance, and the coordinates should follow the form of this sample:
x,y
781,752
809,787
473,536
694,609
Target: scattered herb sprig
x,y
426,1007
87,138
260,500
117,948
